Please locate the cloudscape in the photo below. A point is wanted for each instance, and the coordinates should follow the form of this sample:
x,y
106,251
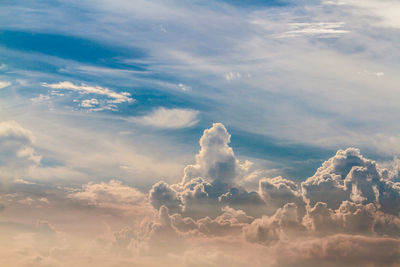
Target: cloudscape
x,y
199,133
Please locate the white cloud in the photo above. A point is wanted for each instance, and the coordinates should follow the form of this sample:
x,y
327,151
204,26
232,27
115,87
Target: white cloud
x,y
387,11
318,29
40,98
4,84
232,76
215,160
184,87
210,183
109,194
87,89
169,118
89,103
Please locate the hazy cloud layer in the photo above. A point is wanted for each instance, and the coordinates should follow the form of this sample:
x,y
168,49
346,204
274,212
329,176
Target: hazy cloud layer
x,y
346,213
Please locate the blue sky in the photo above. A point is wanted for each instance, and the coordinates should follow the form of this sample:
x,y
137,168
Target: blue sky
x,y
117,94
295,81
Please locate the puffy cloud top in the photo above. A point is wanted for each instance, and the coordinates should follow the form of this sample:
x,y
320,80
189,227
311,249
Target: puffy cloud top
x,y
348,195
215,160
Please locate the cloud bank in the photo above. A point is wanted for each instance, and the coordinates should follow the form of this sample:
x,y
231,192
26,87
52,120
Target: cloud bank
x,y
346,214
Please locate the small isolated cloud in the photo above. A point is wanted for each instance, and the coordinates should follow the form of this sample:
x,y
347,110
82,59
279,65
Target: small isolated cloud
x,y
183,87
40,98
232,76
22,181
89,103
378,74
4,84
174,118
317,29
118,97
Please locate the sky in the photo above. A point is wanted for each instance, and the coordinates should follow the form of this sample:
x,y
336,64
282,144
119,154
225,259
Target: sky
x,y
199,133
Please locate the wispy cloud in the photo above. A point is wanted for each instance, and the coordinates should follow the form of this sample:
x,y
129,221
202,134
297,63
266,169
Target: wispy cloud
x,y
386,11
316,29
169,118
118,97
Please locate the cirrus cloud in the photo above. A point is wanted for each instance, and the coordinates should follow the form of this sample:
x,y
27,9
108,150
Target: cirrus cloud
x,y
118,97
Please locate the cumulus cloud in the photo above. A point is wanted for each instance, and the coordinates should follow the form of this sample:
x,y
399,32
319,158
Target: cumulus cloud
x,y
162,194
350,201
117,97
215,160
278,191
347,213
282,225
333,182
210,183
174,118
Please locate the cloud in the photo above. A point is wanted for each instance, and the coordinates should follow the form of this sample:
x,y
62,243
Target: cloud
x,y
215,160
349,201
40,98
348,176
162,194
169,118
4,84
343,250
89,103
210,183
278,191
315,29
232,76
17,152
281,226
120,97
386,11
332,183
106,195
184,87
349,194
283,223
